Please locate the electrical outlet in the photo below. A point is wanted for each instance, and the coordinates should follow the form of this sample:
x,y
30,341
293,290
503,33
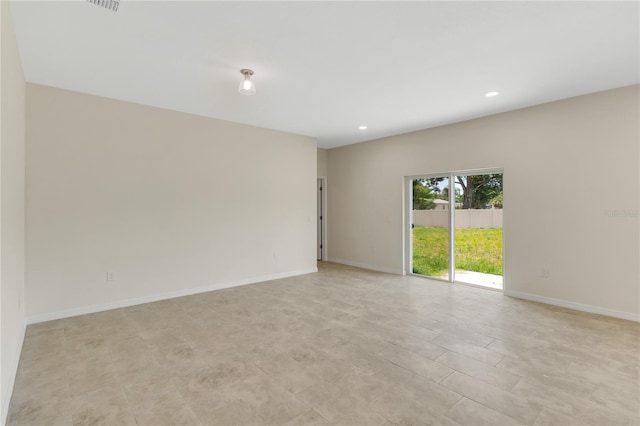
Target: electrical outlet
x,y
544,273
111,276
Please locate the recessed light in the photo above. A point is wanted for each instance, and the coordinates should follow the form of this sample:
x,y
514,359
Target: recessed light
x,y
362,127
491,94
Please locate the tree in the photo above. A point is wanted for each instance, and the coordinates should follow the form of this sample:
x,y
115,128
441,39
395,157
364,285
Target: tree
x,y
433,184
423,195
444,195
496,201
479,191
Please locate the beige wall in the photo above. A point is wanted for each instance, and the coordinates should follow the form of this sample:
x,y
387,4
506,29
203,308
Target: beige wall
x,y
168,201
12,166
579,155
322,162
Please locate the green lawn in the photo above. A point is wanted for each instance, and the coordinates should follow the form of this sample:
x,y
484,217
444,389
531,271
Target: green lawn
x,y
478,250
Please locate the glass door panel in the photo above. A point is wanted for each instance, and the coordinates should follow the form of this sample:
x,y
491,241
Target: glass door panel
x,y
478,229
431,227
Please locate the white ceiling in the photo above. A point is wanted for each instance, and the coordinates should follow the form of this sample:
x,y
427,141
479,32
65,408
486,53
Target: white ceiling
x,y
324,68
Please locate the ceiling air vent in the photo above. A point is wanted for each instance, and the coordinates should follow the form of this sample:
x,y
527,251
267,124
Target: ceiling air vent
x,y
107,4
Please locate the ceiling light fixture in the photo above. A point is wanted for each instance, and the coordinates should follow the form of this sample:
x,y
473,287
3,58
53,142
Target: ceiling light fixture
x,y
246,86
491,94
362,127
107,4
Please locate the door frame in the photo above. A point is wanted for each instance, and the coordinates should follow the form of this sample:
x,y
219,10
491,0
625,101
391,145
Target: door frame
x,y
322,212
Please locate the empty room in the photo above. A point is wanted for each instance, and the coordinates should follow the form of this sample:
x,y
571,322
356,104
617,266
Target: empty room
x,y
310,213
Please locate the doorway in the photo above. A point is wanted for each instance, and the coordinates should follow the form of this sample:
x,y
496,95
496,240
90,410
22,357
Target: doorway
x,y
454,227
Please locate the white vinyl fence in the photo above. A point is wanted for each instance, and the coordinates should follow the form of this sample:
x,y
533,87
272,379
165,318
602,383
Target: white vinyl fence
x,y
485,218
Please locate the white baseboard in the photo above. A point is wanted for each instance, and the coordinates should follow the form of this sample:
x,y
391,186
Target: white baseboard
x,y
576,306
6,399
366,266
162,296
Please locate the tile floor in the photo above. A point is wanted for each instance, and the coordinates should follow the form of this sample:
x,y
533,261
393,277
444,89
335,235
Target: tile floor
x,y
343,346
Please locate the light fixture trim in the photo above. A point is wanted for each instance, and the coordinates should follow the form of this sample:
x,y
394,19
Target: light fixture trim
x,y
362,127
491,94
247,87
112,5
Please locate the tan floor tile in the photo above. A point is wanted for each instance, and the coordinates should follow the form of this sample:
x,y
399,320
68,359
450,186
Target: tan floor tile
x,y
91,374
80,385
107,406
168,414
139,371
227,371
416,345
80,324
201,396
417,364
414,387
42,346
49,368
40,410
569,404
52,328
408,328
399,410
365,338
510,348
125,349
237,414
549,417
308,418
202,379
84,343
468,412
257,389
512,342
618,397
370,388
340,407
281,408
295,376
39,388
160,403
82,363
493,397
350,354
465,331
605,373
177,356
471,367
462,347
161,337
544,370
297,381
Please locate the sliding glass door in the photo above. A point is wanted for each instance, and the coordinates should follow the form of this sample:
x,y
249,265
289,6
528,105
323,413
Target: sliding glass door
x,y
455,227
